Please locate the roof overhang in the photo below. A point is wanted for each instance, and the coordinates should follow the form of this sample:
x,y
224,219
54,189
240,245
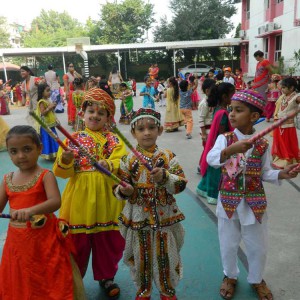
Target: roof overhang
x,y
266,34
122,47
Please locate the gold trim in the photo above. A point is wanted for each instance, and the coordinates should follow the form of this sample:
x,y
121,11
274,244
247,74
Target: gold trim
x,y
24,187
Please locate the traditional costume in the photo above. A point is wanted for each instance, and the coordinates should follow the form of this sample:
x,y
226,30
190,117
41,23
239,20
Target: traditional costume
x,y
71,109
126,106
50,146
77,98
272,96
241,208
208,185
36,261
150,220
88,203
285,148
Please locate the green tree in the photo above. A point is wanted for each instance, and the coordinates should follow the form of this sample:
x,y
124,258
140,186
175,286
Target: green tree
x,y
197,20
4,35
125,22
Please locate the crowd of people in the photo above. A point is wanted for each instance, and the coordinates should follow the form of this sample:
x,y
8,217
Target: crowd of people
x,y
129,209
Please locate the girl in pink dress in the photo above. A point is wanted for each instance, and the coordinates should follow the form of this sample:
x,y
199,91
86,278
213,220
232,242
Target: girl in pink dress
x,y
195,96
272,95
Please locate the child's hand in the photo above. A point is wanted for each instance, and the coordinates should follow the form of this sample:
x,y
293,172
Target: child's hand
x,y
67,157
203,136
239,147
157,175
286,174
103,163
127,191
22,215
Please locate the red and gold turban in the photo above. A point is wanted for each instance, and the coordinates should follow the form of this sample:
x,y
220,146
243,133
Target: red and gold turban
x,y
100,97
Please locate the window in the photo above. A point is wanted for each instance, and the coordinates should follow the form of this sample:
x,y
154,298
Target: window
x,y
278,46
248,10
278,1
266,48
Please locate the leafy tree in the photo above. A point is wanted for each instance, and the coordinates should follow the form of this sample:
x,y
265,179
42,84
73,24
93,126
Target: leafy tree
x,y
125,22
4,35
197,20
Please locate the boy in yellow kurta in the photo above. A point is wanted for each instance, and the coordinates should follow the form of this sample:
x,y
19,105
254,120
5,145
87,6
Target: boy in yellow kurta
x,y
88,203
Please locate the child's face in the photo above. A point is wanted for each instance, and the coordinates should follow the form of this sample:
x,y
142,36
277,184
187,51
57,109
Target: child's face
x,y
23,152
286,90
95,117
146,132
46,93
241,116
148,82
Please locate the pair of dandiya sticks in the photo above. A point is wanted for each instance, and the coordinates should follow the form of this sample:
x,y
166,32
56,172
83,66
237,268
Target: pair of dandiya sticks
x,y
100,168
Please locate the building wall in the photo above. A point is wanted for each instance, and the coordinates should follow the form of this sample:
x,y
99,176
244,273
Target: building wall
x,y
286,16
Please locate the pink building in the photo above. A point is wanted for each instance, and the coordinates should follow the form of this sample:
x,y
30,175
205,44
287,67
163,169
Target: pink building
x,y
272,26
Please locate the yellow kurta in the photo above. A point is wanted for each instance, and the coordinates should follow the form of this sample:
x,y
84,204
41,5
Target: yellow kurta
x,y
3,132
88,203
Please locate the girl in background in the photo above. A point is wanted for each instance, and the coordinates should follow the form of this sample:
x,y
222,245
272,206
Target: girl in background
x,y
285,148
219,97
273,94
4,128
195,96
4,100
38,250
45,109
77,98
173,118
126,106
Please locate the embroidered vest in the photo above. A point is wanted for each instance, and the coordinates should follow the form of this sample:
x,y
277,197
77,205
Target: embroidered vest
x,y
247,184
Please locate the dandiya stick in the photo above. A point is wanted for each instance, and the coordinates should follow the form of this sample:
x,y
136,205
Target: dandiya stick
x,y
92,157
48,130
129,145
273,126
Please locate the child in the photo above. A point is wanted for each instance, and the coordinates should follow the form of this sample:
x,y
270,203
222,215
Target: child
x,y
219,97
148,92
4,128
285,148
77,98
150,220
133,85
87,201
36,261
173,117
161,91
45,109
186,106
249,85
238,79
273,94
193,82
242,201
126,104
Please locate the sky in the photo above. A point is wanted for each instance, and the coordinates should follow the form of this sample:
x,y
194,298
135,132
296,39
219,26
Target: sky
x,y
25,11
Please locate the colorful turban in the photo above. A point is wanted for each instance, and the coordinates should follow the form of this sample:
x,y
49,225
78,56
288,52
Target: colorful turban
x,y
227,69
251,97
145,113
100,97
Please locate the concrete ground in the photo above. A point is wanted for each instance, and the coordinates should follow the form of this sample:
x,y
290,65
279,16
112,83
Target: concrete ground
x,y
201,259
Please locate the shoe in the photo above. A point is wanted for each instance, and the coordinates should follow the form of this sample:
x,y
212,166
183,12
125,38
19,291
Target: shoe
x,y
227,288
262,290
163,297
111,289
188,136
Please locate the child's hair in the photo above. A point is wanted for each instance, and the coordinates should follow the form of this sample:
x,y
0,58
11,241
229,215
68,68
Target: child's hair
x,y
289,83
78,82
41,89
174,83
123,84
146,78
24,130
207,84
220,75
103,85
192,78
249,82
183,85
217,92
239,69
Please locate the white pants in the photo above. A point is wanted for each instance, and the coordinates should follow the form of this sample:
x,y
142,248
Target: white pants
x,y
254,236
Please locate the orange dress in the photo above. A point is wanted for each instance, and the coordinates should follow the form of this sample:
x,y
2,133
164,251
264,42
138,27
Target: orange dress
x,y
36,261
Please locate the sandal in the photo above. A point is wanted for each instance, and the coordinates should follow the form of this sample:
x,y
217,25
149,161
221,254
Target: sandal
x,y
262,290
112,290
227,288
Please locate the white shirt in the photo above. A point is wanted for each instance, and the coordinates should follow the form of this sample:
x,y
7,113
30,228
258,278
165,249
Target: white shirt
x,y
204,113
243,212
228,79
